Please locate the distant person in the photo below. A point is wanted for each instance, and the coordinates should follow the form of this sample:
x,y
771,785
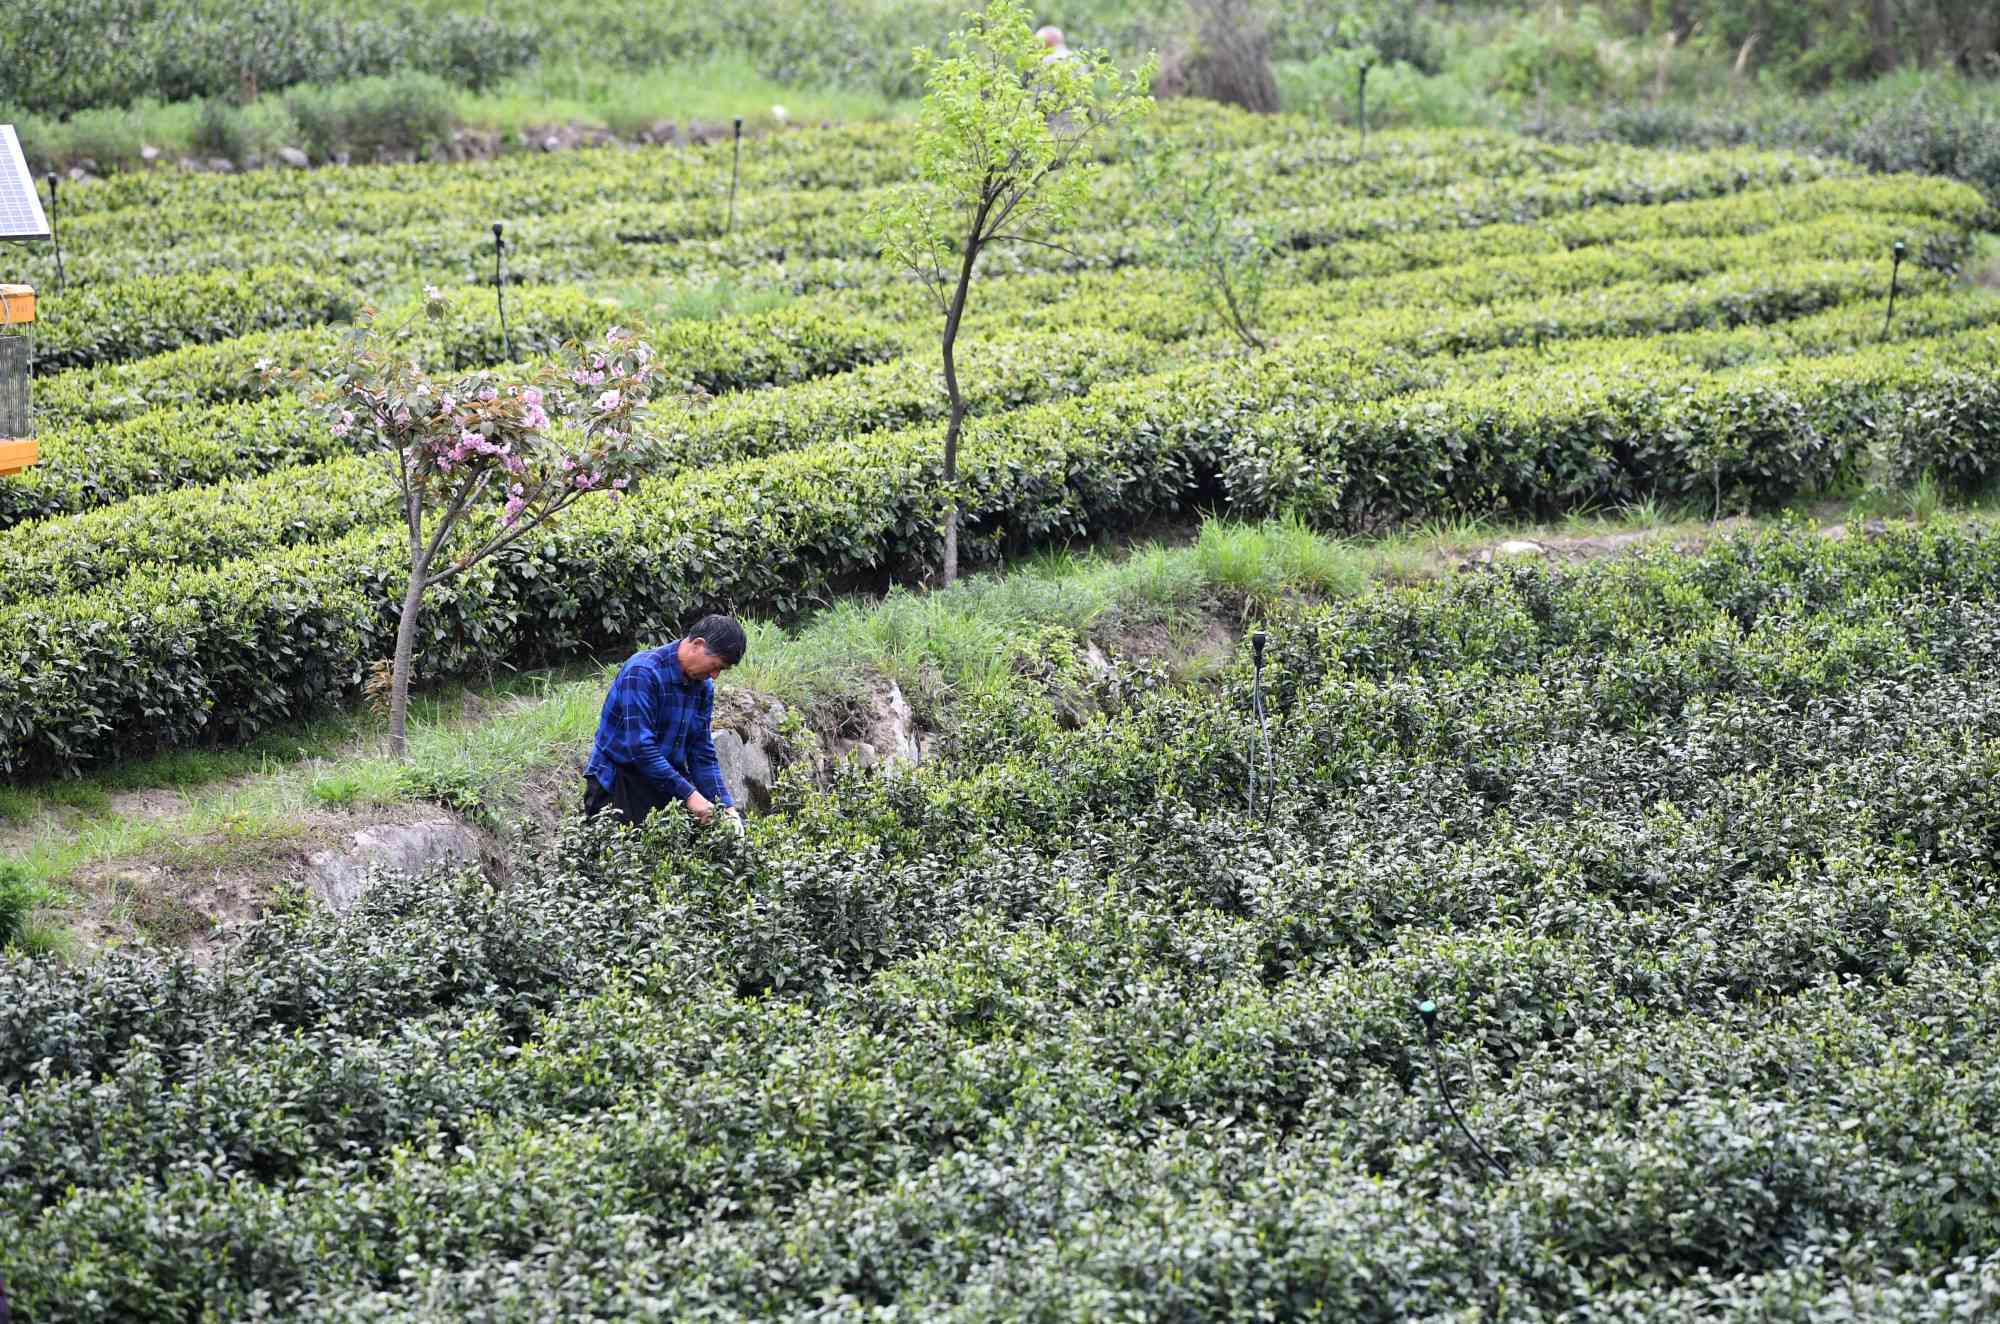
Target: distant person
x,y
1051,36
654,743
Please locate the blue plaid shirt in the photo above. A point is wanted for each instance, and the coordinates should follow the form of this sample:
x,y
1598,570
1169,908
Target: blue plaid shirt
x,y
656,724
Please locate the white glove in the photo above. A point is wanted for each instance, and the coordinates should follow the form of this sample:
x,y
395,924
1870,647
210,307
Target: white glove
x,y
734,819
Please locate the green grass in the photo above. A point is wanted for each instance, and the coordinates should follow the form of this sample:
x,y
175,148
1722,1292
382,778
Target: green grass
x,y
713,91
668,300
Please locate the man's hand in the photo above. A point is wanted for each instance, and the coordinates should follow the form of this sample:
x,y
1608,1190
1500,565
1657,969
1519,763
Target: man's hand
x,y
700,806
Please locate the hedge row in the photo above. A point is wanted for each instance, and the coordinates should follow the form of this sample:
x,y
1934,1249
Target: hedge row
x,y
788,345
569,247
86,466
221,654
188,526
132,319
384,219
1635,427
1693,855
449,200
41,559
844,156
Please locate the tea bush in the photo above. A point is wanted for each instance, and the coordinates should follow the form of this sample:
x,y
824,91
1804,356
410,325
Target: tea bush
x,y
1693,854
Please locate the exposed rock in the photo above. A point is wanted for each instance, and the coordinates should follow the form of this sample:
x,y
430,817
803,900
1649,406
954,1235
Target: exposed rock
x,y
750,745
252,161
891,738
187,165
221,165
666,132
1520,547
294,158
78,175
149,153
744,765
339,877
552,143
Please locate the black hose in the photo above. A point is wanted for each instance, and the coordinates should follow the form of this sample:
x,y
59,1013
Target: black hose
x,y
735,164
500,291
1428,1011
1895,270
1261,760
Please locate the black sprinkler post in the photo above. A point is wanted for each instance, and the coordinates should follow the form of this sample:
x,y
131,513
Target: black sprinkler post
x,y
735,166
1361,100
1895,271
1263,769
1428,1011
55,235
500,290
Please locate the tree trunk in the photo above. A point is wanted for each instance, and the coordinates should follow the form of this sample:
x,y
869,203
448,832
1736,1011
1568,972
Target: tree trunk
x,y
1881,37
948,575
406,647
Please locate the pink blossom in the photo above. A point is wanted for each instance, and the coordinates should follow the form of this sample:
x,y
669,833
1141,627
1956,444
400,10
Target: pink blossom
x,y
608,401
489,394
533,418
532,397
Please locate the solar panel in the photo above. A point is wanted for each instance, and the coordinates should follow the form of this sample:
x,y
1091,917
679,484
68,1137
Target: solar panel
x,y
20,206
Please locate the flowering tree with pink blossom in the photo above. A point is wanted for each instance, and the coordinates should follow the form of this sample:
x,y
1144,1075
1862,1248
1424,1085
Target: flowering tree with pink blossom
x,y
479,464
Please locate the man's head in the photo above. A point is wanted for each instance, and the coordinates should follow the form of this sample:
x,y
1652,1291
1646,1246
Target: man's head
x,y
715,643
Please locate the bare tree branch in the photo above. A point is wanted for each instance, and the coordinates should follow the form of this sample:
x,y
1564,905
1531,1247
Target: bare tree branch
x,y
1039,243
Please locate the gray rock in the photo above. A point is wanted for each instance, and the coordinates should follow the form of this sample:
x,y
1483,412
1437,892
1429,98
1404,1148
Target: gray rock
x,y
750,745
340,877
746,769
221,165
187,165
1521,547
149,153
552,143
294,158
899,725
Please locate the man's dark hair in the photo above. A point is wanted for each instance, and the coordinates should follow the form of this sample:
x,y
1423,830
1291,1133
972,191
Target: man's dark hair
x,y
723,636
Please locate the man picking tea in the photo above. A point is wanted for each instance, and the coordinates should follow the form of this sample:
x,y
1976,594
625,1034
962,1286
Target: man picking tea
x,y
654,746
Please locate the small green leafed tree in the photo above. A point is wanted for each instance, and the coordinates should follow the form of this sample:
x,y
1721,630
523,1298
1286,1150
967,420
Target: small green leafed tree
x,y
1223,252
1001,157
